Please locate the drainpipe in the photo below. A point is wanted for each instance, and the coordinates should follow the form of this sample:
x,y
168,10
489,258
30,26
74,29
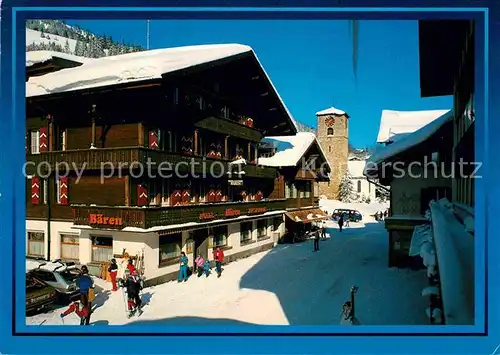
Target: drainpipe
x,y
48,217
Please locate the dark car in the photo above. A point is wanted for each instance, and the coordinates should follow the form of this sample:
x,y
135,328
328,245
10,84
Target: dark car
x,y
355,216
38,294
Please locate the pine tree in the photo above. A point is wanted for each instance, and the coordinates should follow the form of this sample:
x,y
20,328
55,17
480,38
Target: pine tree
x,y
346,188
66,47
78,49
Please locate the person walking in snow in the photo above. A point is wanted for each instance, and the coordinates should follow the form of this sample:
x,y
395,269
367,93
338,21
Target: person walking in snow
x,y
85,286
316,240
347,218
183,266
133,287
341,221
199,262
113,271
80,308
323,230
219,259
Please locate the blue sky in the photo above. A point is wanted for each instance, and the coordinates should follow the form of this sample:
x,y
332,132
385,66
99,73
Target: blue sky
x,y
310,62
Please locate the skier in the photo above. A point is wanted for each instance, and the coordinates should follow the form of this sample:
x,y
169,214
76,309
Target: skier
x,y
113,271
316,241
183,266
81,309
85,285
219,259
341,221
133,286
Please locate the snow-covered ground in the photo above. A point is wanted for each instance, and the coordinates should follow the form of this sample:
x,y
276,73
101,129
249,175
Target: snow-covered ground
x,y
289,284
35,37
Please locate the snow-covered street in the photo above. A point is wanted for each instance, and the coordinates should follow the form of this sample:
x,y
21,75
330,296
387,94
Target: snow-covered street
x,y
289,284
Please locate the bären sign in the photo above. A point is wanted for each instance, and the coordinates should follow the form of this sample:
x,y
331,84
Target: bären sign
x,y
100,219
230,212
207,215
255,210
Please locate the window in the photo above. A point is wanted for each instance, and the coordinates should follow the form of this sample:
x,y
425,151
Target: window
x,y
152,192
70,247
246,231
165,192
176,96
294,191
170,247
35,142
288,192
276,223
307,192
359,185
36,244
433,193
329,149
63,140
45,276
220,236
329,131
58,191
261,228
102,248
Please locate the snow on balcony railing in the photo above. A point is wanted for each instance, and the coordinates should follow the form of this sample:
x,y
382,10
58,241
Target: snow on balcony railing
x,y
455,257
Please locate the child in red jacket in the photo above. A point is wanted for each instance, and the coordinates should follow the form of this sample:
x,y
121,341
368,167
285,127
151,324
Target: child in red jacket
x,y
219,259
81,309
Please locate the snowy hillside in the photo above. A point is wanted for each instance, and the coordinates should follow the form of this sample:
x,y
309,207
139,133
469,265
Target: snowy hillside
x,y
37,37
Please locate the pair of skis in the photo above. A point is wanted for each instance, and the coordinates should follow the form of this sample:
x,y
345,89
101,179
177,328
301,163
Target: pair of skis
x,y
128,313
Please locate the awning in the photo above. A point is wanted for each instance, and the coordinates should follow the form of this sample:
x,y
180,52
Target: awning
x,y
307,216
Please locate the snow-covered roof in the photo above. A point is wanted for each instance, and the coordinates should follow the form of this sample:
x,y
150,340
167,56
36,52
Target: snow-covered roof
x,y
293,149
130,67
383,153
330,111
138,66
356,168
35,57
395,123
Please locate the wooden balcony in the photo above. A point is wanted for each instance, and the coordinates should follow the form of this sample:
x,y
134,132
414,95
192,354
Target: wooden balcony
x,y
121,217
130,157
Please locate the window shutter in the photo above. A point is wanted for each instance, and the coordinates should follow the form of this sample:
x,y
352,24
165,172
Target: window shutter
x,y
63,191
218,193
153,139
35,190
44,139
142,195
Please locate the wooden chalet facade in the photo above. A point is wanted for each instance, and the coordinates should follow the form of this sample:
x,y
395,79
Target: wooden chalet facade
x,y
157,166
301,165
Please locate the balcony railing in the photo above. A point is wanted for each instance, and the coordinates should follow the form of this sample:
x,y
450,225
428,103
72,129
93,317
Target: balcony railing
x,y
121,217
132,157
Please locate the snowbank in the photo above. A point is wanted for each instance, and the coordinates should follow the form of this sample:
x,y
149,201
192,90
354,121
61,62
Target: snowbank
x,y
394,123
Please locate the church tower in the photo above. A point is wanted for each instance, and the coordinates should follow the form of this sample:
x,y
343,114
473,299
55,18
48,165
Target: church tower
x,y
332,134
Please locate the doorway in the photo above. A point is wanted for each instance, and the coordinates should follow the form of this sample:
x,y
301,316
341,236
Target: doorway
x,y
200,238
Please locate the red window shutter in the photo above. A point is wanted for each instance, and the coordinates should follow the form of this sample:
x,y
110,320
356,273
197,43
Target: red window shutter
x,y
211,195
63,191
153,139
142,195
176,198
218,194
44,139
35,190
186,196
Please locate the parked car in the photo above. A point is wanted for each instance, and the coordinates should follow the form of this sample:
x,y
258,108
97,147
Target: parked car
x,y
60,275
355,215
38,294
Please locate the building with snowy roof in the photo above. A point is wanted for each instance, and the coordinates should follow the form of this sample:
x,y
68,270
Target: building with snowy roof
x,y
162,149
432,195
44,62
363,189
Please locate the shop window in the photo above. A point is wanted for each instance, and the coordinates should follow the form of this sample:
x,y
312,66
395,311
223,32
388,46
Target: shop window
x,y
102,248
70,247
220,236
36,244
261,228
170,247
246,231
